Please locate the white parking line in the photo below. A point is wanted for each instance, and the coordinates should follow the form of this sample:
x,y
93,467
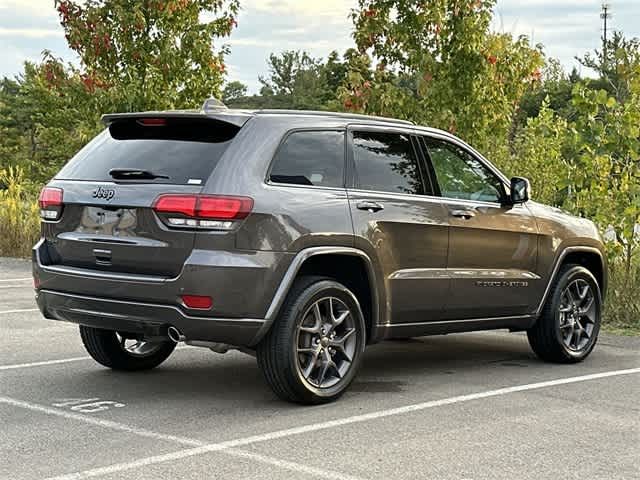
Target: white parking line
x,y
65,360
23,310
40,364
16,286
7,280
314,427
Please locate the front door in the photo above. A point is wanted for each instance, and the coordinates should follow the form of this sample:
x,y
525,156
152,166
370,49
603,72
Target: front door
x,y
492,245
399,223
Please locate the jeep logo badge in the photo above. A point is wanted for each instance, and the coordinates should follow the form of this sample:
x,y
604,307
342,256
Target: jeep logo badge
x,y
106,193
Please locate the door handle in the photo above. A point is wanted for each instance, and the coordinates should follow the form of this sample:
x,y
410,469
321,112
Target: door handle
x,y
369,206
466,214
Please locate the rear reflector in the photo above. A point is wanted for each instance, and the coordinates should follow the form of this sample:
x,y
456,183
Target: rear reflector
x,y
199,302
50,202
216,212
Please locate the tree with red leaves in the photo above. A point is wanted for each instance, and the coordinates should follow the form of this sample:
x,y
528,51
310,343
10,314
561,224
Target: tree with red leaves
x,y
150,54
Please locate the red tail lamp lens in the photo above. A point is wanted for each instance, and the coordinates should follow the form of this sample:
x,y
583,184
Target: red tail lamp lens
x,y
184,204
50,202
224,208
216,207
50,197
199,302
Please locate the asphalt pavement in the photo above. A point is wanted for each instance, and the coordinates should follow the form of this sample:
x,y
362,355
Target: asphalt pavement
x,y
470,406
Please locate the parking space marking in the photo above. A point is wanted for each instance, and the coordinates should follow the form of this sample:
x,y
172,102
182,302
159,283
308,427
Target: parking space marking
x,y
23,310
200,448
65,360
206,448
88,405
7,280
40,364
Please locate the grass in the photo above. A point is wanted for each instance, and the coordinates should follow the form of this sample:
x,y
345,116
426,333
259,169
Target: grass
x,y
622,307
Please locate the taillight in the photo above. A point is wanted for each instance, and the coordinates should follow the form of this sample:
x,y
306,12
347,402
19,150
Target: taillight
x,y
212,212
50,202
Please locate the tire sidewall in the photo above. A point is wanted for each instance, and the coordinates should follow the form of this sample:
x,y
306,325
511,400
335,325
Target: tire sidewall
x,y
315,292
569,276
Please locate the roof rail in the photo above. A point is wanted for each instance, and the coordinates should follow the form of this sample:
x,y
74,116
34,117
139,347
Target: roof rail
x,y
320,113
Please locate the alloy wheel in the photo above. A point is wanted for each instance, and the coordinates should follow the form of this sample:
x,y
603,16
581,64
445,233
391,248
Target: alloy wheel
x,y
326,342
578,315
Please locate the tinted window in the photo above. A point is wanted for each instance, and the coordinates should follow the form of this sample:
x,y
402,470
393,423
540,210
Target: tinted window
x,y
310,158
386,162
460,175
186,151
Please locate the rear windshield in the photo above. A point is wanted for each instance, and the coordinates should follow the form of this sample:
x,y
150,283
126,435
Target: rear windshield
x,y
172,150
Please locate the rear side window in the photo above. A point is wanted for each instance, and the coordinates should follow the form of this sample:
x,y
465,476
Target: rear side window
x,y
310,158
178,151
386,162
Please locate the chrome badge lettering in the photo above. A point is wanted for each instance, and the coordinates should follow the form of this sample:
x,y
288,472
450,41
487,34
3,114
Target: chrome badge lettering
x,y
105,193
501,283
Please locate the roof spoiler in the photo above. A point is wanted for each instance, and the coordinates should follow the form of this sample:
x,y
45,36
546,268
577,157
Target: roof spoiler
x,y
234,117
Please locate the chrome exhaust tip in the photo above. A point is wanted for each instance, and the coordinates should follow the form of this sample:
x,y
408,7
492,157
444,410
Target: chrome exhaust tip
x,y
175,335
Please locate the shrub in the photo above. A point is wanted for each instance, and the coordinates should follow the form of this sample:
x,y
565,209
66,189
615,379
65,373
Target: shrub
x,y
19,213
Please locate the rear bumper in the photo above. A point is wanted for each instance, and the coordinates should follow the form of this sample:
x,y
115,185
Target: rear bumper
x,y
241,284
151,320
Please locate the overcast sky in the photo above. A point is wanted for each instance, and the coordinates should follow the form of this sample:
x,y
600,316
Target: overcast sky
x,y
566,27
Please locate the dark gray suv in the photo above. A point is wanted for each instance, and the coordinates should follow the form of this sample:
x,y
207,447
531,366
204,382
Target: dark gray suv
x,y
300,237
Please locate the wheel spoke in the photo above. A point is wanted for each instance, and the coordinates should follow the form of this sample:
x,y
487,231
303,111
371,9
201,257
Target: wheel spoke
x,y
327,365
569,293
582,294
337,321
317,321
307,350
313,363
578,335
568,336
584,309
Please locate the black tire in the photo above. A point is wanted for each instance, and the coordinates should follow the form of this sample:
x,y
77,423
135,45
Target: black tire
x,y
106,349
278,355
546,337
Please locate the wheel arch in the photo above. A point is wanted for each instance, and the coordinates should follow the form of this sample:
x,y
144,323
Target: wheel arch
x,y
589,257
344,264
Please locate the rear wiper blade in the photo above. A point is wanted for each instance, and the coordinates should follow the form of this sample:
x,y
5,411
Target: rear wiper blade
x,y
134,173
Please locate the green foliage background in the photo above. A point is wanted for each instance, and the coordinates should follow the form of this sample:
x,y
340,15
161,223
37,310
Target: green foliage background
x,y
436,63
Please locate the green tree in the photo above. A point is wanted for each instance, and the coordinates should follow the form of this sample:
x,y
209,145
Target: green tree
x,y
150,54
233,92
46,115
295,78
455,74
617,65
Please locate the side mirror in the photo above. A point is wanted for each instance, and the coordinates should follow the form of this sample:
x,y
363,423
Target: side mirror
x,y
520,190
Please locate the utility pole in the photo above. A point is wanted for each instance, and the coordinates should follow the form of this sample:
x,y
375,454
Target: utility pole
x,y
605,15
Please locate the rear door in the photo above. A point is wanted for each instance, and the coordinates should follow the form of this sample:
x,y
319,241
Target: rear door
x,y
398,222
492,245
110,186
